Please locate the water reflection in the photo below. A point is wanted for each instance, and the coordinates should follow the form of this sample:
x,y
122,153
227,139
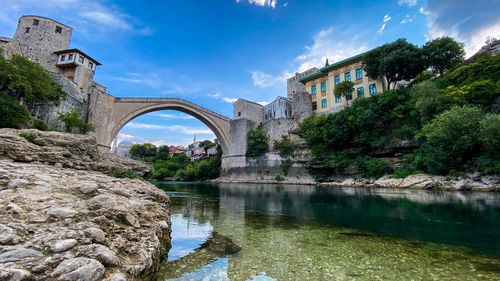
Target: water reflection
x,y
317,233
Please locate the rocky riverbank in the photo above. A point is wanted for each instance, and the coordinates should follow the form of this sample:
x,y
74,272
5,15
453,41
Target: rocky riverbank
x,y
75,223
474,181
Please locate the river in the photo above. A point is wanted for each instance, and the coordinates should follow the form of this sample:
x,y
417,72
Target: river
x,y
292,232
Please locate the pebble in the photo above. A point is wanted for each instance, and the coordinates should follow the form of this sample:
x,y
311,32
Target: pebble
x,y
79,269
18,254
63,245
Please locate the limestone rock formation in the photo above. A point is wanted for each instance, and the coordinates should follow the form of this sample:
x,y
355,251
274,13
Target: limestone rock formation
x,y
74,224
65,150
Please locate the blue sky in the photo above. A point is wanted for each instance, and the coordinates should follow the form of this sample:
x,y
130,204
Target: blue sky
x,y
212,52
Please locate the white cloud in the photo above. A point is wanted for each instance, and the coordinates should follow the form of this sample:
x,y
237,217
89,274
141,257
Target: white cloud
x,y
332,44
409,3
262,3
407,19
88,17
174,117
133,139
385,20
106,18
265,80
264,103
176,128
466,21
220,97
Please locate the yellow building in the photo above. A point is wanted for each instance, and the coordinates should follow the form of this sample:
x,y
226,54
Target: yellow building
x,y
321,85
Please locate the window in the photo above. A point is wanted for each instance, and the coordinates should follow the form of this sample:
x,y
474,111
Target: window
x,y
323,103
313,89
58,29
338,99
70,57
361,92
91,64
373,89
348,96
27,30
323,87
359,74
81,59
337,79
347,76
63,57
315,105
239,114
36,22
286,113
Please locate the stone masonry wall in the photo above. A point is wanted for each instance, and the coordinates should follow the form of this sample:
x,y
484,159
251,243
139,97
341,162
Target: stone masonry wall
x,y
40,41
75,99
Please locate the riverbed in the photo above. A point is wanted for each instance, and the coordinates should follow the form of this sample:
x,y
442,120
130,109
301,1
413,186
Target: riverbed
x,y
293,232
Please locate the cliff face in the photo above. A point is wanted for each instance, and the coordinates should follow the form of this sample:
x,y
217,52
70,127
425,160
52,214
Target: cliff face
x,y
60,223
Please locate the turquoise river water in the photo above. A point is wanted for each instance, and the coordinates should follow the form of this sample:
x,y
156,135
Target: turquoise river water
x,y
292,232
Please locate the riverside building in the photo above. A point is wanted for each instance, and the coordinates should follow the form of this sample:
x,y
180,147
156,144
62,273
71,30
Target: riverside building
x,y
321,85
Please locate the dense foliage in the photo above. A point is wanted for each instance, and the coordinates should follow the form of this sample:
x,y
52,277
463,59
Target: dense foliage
x,y
26,81
396,61
257,143
443,54
12,115
73,123
177,166
452,121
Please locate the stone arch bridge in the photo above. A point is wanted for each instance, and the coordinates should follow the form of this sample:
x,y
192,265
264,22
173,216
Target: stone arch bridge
x,y
109,114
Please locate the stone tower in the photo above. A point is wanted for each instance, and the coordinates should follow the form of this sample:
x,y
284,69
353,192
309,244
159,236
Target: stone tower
x,y
40,37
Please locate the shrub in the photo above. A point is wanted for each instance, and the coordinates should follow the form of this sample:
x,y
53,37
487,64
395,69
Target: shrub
x,y
371,167
338,162
429,100
456,128
489,164
481,93
28,136
257,143
278,177
400,173
434,159
489,133
12,115
40,125
73,123
285,147
286,165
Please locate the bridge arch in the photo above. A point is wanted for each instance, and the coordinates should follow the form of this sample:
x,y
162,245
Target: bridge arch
x,y
126,109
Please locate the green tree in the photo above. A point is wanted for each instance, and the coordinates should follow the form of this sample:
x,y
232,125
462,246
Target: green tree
x,y
137,150
443,54
429,100
452,140
206,144
28,81
489,134
12,115
150,150
395,61
257,143
73,123
343,88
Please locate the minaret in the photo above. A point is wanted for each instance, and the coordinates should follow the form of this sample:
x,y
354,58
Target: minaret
x,y
194,139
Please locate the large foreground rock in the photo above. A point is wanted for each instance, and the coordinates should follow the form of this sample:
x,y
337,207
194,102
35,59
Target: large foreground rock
x,y
66,150
68,224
